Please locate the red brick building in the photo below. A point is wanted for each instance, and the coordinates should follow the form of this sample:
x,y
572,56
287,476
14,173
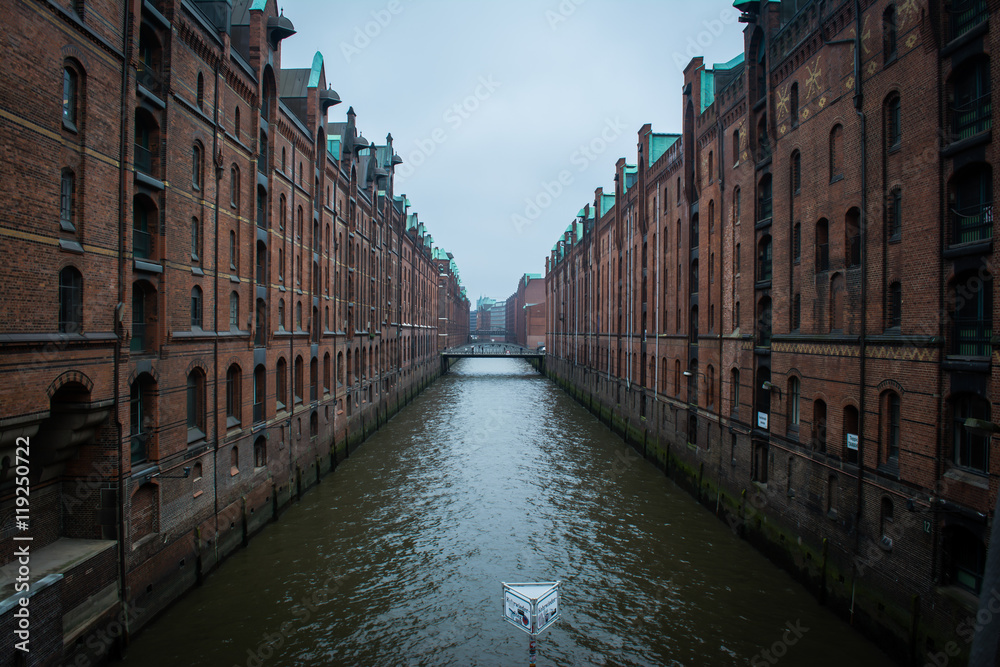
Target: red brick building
x,y
211,294
788,303
526,312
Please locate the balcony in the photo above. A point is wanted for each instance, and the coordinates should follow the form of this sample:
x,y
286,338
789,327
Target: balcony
x,y
972,337
143,159
149,77
965,15
142,338
972,224
142,244
971,118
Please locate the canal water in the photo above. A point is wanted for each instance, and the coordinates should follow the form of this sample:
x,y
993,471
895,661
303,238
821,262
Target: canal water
x,y
494,474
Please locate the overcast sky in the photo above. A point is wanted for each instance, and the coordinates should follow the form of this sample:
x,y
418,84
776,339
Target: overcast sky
x,y
507,113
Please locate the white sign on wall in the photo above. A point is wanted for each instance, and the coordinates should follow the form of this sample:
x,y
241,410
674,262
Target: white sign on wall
x,y
852,441
762,420
532,607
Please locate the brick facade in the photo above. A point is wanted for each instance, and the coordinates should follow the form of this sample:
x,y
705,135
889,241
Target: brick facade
x,y
211,292
788,304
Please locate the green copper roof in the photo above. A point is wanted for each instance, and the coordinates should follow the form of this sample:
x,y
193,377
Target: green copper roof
x,y
333,145
707,89
317,65
735,62
660,144
607,201
259,4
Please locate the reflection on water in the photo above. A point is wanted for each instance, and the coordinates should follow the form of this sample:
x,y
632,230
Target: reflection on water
x,y
493,474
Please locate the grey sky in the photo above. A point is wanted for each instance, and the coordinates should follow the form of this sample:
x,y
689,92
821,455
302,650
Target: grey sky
x,y
488,102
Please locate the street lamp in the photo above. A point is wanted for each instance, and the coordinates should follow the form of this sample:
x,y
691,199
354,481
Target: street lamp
x,y
770,386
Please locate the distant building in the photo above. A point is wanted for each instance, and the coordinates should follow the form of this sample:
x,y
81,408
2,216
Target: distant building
x,y
526,312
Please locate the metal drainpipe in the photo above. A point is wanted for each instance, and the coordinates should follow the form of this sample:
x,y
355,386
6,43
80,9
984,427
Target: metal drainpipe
x,y
122,175
858,106
720,136
219,171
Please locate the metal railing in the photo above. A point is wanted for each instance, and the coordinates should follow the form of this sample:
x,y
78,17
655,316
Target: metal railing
x,y
972,337
972,223
965,15
142,244
149,77
972,118
142,335
143,159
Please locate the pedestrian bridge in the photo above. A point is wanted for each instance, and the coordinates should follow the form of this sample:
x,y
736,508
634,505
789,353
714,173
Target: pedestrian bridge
x,y
491,351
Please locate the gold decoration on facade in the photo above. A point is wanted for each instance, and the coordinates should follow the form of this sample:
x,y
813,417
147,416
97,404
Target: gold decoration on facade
x,y
872,66
911,40
906,10
822,102
813,83
804,114
849,83
782,105
744,156
782,128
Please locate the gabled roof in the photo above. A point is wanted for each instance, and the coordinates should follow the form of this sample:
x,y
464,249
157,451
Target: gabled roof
x,y
607,201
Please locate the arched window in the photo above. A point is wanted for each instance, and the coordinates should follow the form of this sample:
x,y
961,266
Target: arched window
x,y
677,376
734,391
259,393
196,303
234,395
260,452
142,422
972,314
970,439
796,242
822,245
971,112
736,148
894,306
236,122
234,311
711,167
764,263
71,96
313,379
764,200
819,425
894,214
889,425
281,384
201,91
893,122
282,210
70,301
299,379
970,203
281,314
794,396
836,152
837,302
298,316
889,34
764,322
234,461
340,368
326,373
234,188
796,312
737,201
195,239
852,233
886,517
67,201
796,173
196,405
196,167
260,323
